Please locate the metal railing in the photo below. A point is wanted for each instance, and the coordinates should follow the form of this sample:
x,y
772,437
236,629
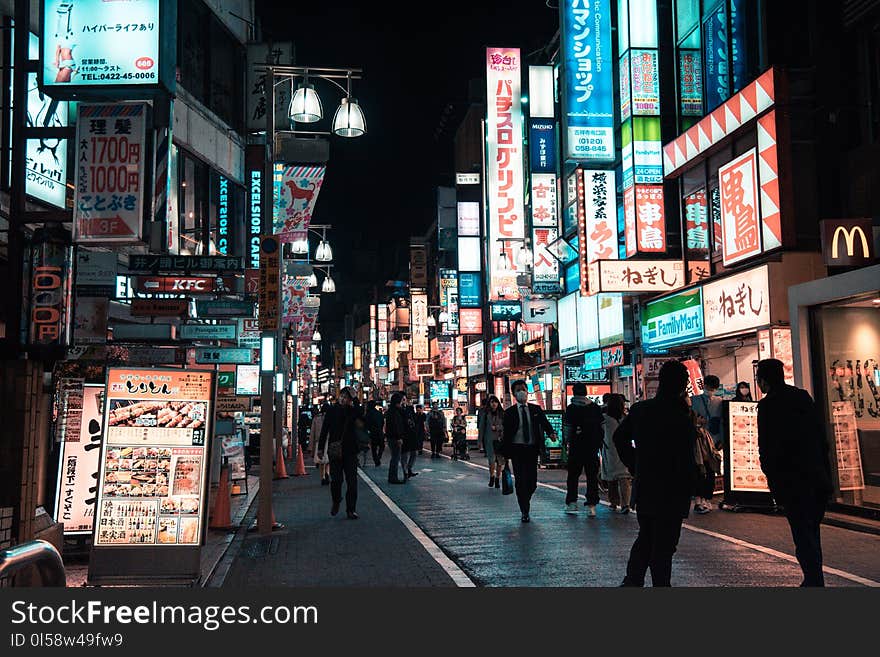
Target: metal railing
x,y
40,554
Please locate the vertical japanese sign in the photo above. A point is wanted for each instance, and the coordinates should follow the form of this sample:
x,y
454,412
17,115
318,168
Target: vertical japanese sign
x,y
270,282
545,268
259,53
600,211
50,270
152,478
629,217
102,44
296,191
545,210
650,219
109,191
504,143
420,326
645,82
696,219
588,80
78,459
542,145
690,82
418,265
740,225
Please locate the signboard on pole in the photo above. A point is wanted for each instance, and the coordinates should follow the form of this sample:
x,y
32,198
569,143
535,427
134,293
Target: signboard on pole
x,y
224,356
270,282
80,438
259,53
153,485
109,193
208,331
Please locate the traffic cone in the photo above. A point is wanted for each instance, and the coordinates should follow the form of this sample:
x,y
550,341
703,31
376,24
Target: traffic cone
x,y
300,468
290,450
280,469
221,518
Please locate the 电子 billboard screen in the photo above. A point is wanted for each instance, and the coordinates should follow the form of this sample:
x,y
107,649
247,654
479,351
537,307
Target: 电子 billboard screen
x,y
469,295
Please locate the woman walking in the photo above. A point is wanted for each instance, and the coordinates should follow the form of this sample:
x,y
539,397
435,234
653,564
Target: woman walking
x,y
395,430
490,423
320,456
339,439
708,460
459,435
613,470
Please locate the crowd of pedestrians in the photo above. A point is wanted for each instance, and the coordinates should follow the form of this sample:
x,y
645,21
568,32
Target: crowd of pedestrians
x,y
660,458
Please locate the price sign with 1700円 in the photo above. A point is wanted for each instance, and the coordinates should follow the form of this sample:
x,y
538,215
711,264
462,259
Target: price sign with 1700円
x,y
109,190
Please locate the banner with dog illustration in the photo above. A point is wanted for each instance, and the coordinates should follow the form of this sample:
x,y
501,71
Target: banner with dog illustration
x,y
296,189
293,295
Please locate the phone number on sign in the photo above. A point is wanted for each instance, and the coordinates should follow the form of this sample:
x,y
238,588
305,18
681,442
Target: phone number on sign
x,y
57,640
118,76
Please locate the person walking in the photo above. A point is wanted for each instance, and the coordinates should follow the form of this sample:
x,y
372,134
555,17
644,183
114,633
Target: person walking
x,y
421,427
656,443
395,431
583,433
375,421
437,430
708,406
411,442
522,441
459,435
320,456
793,452
339,439
613,470
489,422
708,460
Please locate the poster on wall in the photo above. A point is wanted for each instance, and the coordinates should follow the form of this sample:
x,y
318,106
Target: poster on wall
x,y
846,442
109,193
745,464
80,442
152,490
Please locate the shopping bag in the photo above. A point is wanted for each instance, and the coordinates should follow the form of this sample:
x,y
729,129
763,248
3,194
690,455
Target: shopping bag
x,y
506,481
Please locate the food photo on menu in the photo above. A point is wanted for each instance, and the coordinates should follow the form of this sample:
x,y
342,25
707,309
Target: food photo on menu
x,y
159,414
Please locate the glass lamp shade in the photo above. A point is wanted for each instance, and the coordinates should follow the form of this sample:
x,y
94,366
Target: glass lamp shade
x,y
524,257
431,321
324,253
329,285
444,316
403,345
313,280
316,337
349,119
305,106
300,247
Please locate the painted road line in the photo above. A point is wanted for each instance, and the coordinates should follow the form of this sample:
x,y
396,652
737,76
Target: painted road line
x,y
455,573
736,541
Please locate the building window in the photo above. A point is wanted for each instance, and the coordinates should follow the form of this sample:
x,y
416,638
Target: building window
x,y
211,62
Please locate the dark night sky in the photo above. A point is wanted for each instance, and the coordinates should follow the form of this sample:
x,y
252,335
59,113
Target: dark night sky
x,y
378,190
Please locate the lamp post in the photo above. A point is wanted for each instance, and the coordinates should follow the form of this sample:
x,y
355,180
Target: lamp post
x,y
348,121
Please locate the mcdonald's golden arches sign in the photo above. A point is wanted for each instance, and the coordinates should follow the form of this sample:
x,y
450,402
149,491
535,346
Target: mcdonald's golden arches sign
x,y
848,242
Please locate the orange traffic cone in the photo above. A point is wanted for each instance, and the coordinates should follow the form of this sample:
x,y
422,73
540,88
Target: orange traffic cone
x,y
221,517
290,449
280,468
300,468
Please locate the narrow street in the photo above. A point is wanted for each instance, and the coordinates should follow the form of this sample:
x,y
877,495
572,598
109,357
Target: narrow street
x,y
482,542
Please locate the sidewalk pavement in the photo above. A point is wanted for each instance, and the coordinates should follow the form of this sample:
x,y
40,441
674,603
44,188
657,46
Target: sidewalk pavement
x,y
315,549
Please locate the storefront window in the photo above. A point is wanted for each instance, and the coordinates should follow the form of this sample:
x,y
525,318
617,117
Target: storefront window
x,y
848,334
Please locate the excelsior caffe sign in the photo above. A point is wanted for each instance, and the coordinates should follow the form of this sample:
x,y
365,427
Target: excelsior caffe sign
x,y
848,242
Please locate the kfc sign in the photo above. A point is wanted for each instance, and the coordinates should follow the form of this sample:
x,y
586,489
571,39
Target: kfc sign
x,y
183,285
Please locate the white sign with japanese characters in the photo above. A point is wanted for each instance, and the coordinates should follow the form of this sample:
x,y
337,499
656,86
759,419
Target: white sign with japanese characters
x,y
109,192
737,303
636,275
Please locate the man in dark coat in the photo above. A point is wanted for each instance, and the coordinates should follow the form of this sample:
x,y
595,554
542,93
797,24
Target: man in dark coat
x,y
525,426
584,435
656,443
794,456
